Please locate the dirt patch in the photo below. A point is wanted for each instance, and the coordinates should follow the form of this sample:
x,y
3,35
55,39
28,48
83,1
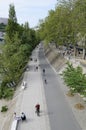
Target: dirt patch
x,y
70,94
7,117
83,63
79,106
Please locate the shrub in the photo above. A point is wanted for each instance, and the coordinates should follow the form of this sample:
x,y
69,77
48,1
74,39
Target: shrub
x,y
8,93
74,78
4,108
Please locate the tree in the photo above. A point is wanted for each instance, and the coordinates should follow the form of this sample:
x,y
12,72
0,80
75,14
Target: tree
x,y
20,40
2,27
12,26
12,13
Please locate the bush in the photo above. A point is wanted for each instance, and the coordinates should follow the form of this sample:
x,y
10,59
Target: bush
x,y
4,108
74,78
6,92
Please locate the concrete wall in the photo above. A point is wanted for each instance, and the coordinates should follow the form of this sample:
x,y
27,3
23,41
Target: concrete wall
x,y
55,58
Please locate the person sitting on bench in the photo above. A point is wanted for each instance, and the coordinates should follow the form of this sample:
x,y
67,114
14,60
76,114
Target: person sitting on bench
x,y
23,116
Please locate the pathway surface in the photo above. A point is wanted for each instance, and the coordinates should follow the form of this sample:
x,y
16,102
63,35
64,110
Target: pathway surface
x,y
33,94
56,114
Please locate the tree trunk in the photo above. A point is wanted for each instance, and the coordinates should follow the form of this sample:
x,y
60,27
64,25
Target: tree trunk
x,y
75,52
84,53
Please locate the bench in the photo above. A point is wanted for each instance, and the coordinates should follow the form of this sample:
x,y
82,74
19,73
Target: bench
x,y
14,124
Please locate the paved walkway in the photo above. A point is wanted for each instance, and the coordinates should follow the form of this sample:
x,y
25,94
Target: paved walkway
x,y
33,94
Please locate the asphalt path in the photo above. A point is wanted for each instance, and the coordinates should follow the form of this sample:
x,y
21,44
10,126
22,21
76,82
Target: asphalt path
x,y
30,96
60,113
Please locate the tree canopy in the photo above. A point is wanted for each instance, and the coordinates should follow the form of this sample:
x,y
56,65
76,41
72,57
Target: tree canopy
x,y
64,23
20,40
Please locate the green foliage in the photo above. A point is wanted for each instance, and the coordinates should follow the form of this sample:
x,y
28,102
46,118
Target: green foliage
x,y
19,43
64,23
12,26
12,13
2,27
6,92
75,78
4,108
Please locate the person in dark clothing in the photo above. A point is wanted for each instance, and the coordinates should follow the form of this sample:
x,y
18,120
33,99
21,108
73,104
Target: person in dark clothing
x,y
23,116
45,81
37,68
43,71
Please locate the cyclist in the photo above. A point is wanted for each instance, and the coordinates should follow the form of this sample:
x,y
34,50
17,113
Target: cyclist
x,y
37,109
43,71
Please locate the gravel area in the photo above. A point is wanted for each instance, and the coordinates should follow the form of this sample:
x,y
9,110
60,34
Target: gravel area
x,y
6,118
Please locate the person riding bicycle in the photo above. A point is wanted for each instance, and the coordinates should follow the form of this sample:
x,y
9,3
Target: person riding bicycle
x,y
44,71
37,109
